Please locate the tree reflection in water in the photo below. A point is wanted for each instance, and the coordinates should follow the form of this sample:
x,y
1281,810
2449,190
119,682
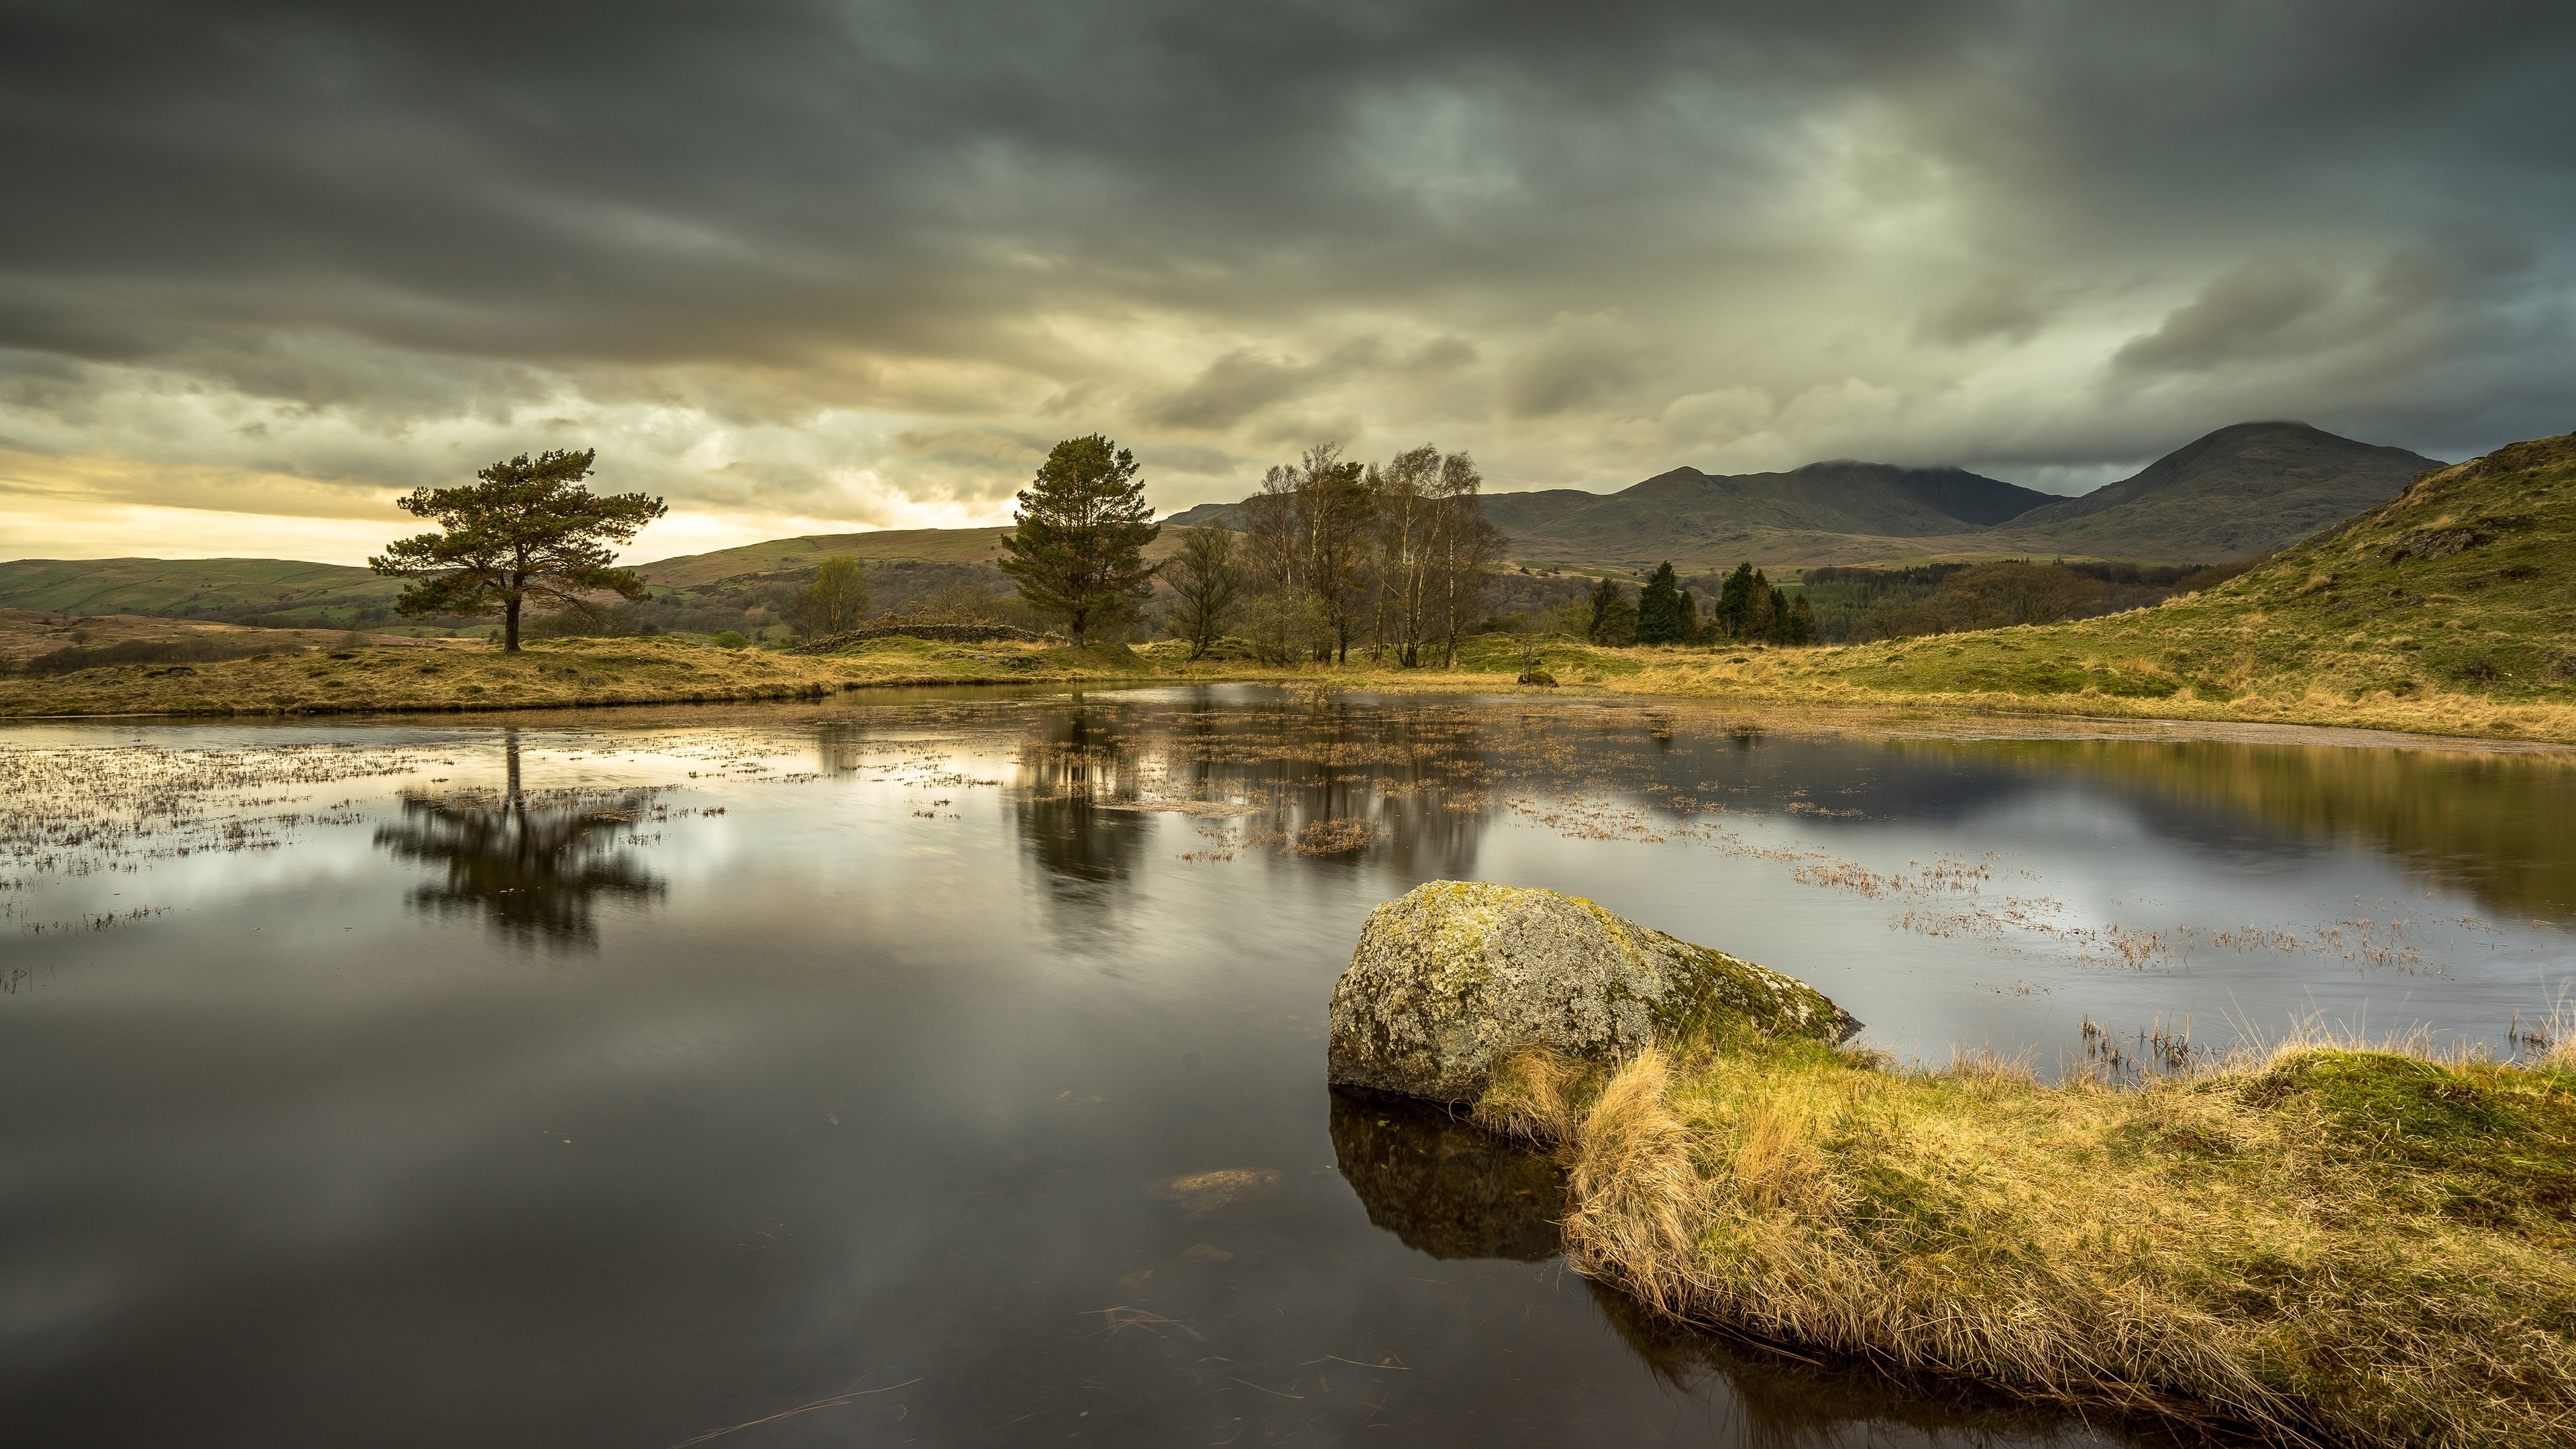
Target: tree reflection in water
x,y
1327,782
534,866
1070,780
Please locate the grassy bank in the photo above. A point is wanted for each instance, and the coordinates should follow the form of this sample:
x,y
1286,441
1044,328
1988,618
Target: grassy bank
x,y
565,673
2324,1244
586,672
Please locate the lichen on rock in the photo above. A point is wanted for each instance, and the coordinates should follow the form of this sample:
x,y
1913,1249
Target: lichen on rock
x,y
1454,976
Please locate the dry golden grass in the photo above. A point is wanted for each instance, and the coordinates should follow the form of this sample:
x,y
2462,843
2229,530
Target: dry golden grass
x,y
553,674
2325,1243
26,634
1806,677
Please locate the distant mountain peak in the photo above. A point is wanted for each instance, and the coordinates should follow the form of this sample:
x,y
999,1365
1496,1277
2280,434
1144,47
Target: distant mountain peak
x,y
2243,489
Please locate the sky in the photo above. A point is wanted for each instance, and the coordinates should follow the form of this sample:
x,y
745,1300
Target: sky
x,y
803,267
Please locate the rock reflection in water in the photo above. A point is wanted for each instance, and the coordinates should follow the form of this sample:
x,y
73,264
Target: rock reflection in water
x,y
1443,1185
534,866
1449,1189
1788,1401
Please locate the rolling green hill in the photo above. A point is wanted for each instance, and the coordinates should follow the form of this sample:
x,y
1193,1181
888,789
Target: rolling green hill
x,y
207,588
799,557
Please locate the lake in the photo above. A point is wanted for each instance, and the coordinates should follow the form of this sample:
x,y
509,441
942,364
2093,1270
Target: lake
x,y
949,1069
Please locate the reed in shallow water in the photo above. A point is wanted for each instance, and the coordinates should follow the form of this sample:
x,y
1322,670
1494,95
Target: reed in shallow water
x,y
2324,1242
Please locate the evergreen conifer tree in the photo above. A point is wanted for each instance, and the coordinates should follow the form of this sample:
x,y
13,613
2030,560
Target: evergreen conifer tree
x,y
1735,601
1659,610
1077,545
525,529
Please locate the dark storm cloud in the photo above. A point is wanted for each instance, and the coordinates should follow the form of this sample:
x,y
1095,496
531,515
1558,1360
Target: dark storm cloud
x,y
1591,241
671,183
2238,315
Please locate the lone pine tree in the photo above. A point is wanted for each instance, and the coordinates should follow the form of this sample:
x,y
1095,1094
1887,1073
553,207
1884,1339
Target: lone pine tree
x,y
1077,543
526,529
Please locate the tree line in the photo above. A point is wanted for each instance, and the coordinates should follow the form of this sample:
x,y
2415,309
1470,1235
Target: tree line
x,y
1335,554
1749,608
1393,558
1854,604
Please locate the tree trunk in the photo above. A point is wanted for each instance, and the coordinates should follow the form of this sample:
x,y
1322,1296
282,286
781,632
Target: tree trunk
x,y
510,627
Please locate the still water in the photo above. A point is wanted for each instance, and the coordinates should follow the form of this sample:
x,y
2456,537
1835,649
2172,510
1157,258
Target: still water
x,y
950,1069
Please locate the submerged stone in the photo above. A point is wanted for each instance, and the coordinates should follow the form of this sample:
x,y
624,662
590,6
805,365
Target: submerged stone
x,y
1200,1193
1454,976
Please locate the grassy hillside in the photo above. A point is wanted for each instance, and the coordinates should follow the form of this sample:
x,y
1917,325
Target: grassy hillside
x,y
804,554
2451,609
801,556
214,588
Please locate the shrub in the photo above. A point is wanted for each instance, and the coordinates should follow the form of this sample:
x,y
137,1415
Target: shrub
x,y
150,651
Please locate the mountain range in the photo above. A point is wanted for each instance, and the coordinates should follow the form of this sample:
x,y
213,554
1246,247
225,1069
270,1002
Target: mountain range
x,y
2240,491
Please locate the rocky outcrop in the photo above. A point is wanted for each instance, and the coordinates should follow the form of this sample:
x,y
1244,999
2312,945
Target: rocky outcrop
x,y
1455,976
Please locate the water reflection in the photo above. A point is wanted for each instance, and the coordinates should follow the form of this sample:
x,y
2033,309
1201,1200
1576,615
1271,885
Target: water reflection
x,y
1779,1400
1444,1186
534,866
933,1140
2492,824
1452,1191
1073,777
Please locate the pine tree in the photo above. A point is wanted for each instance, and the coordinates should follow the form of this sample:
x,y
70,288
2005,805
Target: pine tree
x,y
1606,596
1077,545
1735,601
1802,621
526,529
1659,610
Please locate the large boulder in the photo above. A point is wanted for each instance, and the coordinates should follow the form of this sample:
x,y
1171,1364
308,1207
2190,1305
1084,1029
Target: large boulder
x,y
1454,976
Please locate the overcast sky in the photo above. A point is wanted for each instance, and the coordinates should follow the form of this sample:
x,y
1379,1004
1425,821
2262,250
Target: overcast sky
x,y
800,266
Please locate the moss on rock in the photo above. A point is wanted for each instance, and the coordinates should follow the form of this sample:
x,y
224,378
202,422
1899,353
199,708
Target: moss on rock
x,y
1454,976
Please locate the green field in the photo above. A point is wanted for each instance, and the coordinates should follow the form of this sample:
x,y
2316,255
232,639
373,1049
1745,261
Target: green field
x,y
319,595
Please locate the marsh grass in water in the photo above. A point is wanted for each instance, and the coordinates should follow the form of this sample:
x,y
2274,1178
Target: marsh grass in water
x,y
2324,1241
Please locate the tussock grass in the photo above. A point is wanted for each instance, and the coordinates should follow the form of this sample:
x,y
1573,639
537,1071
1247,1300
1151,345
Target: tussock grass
x,y
2324,1242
